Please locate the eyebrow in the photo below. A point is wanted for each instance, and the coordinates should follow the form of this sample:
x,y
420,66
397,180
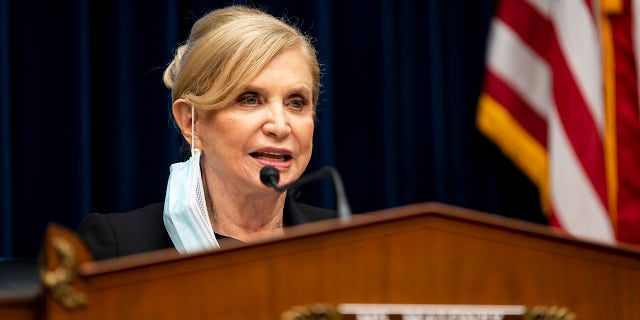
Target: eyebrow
x,y
301,90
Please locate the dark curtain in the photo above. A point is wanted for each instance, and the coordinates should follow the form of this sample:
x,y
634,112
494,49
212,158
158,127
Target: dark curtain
x,y
85,119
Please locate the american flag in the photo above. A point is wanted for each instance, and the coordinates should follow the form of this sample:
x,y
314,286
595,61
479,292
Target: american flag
x,y
560,99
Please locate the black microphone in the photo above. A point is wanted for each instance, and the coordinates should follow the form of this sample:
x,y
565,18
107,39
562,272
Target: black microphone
x,y
270,176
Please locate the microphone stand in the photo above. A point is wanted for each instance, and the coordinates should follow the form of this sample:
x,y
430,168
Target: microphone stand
x,y
270,177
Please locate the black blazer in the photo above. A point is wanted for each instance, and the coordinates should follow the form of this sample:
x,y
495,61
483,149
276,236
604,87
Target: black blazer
x,y
141,230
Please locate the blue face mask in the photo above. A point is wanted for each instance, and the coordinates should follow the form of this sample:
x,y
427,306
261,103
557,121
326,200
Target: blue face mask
x,y
185,211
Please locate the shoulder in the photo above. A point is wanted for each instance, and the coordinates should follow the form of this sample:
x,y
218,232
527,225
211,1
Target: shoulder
x,y
316,213
299,213
118,234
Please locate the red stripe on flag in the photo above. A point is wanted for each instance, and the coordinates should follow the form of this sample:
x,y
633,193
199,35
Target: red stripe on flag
x,y
529,24
572,109
588,4
520,110
627,127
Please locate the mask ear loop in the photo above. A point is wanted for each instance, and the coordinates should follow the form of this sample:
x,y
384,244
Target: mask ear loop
x,y
192,129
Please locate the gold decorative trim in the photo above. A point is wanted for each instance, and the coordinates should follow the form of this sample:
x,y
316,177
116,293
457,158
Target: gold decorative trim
x,y
58,281
319,311
549,313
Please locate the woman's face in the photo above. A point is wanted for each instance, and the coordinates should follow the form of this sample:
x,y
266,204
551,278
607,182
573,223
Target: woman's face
x,y
271,123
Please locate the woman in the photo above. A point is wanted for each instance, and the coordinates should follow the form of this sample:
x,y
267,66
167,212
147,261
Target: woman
x,y
245,88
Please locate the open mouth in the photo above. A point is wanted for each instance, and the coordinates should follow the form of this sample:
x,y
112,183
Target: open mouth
x,y
271,156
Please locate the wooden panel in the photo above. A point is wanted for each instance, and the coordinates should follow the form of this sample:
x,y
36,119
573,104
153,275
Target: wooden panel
x,y
420,254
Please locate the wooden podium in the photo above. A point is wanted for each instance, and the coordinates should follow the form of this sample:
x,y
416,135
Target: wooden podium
x,y
418,254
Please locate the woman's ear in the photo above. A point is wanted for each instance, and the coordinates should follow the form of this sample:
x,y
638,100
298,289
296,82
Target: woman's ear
x,y
182,113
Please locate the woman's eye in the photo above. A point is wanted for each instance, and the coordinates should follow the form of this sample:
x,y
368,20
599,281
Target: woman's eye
x,y
250,100
296,103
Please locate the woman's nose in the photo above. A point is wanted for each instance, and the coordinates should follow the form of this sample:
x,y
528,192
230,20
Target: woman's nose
x,y
277,124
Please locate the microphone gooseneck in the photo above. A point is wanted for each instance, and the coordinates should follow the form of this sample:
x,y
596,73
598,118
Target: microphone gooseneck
x,y
270,176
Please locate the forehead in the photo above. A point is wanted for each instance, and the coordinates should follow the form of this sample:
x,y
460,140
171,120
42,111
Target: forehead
x,y
290,67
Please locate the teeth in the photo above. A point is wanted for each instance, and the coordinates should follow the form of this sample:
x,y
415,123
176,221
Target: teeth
x,y
281,159
270,156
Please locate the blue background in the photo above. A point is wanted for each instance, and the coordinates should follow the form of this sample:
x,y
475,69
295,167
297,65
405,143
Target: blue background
x,y
85,123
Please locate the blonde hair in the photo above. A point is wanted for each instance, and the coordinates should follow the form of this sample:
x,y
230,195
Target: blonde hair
x,y
229,47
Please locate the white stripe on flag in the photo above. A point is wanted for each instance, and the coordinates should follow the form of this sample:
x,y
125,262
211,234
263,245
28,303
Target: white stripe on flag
x,y
519,67
576,204
580,43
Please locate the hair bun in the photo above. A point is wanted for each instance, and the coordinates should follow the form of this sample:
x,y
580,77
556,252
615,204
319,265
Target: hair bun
x,y
174,67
